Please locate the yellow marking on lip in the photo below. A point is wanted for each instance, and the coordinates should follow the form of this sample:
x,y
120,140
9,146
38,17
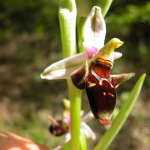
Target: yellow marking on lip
x,y
104,93
111,94
91,84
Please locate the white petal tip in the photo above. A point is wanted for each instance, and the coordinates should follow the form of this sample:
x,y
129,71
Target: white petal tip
x,y
117,55
95,28
47,77
41,75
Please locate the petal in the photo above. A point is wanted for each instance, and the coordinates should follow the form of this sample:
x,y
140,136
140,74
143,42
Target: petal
x,y
95,28
66,103
66,139
66,119
79,76
117,55
81,113
121,77
54,122
107,53
91,50
88,131
63,68
88,117
102,97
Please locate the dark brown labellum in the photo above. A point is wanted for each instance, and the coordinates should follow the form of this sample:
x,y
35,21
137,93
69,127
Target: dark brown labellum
x,y
101,93
100,88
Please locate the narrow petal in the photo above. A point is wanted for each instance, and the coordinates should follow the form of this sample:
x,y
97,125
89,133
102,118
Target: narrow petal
x,y
66,139
88,131
54,122
63,68
81,113
121,77
95,28
117,55
88,117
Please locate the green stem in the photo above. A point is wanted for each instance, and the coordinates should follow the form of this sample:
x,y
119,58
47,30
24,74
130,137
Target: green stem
x,y
105,5
75,107
67,18
80,27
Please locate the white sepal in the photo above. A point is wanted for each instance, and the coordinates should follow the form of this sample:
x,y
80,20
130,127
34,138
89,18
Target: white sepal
x,y
63,68
95,28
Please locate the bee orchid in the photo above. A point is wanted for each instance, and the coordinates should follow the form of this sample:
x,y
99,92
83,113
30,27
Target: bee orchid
x,y
61,127
90,71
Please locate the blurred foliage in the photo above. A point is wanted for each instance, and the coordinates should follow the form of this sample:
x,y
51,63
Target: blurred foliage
x,y
130,22
30,41
17,16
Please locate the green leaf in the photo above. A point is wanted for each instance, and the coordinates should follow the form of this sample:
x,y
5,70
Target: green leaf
x,y
121,117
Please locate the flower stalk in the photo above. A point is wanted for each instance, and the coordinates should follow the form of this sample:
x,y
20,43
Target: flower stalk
x,y
80,29
67,19
75,107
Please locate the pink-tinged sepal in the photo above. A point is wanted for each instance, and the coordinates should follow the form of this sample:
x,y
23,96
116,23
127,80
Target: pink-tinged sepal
x,y
79,76
90,50
95,28
121,77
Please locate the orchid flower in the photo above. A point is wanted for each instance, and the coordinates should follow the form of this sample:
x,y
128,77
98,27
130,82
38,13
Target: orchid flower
x,y
62,127
94,75
94,36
